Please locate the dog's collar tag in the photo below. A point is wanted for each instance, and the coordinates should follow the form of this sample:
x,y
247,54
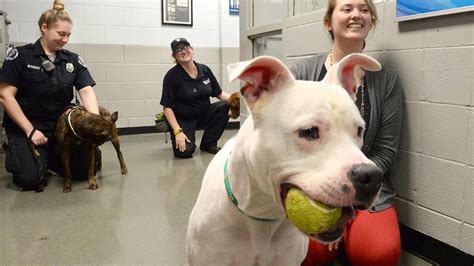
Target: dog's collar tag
x,y
234,200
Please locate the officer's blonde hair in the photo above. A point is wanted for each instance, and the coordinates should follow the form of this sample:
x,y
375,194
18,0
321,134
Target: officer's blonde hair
x,y
51,16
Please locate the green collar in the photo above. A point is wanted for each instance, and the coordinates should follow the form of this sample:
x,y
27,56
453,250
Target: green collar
x,y
234,200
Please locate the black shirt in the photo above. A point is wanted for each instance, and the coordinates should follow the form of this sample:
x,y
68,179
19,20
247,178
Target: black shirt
x,y
188,97
42,95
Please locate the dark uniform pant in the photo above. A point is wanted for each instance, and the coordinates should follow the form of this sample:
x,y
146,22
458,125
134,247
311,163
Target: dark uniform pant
x,y
28,170
213,121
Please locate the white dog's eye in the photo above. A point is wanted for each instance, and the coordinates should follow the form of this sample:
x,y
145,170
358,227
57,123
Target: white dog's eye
x,y
311,133
360,131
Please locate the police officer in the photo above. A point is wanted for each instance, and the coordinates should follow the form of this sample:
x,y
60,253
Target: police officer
x,y
36,85
187,88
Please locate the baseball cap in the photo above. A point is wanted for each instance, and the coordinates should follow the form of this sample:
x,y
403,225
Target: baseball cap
x,y
175,42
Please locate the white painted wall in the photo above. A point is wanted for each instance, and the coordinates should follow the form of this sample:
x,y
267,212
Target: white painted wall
x,y
136,22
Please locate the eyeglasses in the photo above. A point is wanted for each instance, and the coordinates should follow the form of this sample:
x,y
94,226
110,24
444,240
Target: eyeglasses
x,y
181,49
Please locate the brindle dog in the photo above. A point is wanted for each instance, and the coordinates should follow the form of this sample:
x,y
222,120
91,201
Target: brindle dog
x,y
76,127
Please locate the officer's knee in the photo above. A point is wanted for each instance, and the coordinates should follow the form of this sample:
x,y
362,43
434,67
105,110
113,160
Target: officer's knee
x,y
188,153
223,107
385,253
23,176
185,154
25,183
26,178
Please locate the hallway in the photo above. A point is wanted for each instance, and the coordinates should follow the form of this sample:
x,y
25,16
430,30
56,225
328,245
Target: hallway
x,y
139,218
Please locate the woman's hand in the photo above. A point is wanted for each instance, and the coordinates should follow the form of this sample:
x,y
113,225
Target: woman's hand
x,y
224,96
178,132
181,140
38,138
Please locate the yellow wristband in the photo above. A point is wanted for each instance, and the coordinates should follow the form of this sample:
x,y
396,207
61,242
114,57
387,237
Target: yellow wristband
x,y
177,131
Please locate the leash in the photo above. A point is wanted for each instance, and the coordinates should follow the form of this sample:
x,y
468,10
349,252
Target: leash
x,y
235,201
73,109
36,156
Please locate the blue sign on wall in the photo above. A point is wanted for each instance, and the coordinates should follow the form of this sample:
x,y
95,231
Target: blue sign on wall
x,y
233,7
412,9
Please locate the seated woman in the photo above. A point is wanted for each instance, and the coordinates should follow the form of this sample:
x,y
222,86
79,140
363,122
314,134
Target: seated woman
x,y
187,88
373,236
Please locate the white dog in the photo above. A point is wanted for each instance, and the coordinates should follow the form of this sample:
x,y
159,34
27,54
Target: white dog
x,y
299,134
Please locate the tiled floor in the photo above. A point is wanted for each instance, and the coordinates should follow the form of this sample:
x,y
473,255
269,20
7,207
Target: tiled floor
x,y
138,218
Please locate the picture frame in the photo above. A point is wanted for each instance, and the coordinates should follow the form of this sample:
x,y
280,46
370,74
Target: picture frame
x,y
234,7
177,12
416,9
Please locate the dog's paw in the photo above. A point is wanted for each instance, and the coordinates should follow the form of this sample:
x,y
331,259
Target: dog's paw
x,y
67,189
124,170
67,185
93,185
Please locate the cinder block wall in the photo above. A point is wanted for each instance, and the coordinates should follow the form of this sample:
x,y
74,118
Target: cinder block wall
x,y
130,77
127,50
434,175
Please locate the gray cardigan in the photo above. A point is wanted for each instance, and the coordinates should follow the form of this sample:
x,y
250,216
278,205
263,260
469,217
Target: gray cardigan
x,y
383,135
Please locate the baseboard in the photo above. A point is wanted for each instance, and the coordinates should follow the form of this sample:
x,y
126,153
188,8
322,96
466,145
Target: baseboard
x,y
136,130
233,125
432,250
152,129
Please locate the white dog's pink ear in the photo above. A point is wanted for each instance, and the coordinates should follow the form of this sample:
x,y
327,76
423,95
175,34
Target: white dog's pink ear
x,y
264,74
344,73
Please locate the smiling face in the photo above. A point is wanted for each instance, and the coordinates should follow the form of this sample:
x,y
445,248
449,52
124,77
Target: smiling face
x,y
57,35
350,19
184,53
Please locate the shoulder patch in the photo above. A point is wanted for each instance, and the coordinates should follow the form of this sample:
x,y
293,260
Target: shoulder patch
x,y
12,53
80,61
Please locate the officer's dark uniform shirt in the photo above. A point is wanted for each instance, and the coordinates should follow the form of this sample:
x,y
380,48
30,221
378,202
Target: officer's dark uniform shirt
x,y
189,97
42,95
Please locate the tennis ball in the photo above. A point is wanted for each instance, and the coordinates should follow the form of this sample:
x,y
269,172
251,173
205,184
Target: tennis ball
x,y
311,217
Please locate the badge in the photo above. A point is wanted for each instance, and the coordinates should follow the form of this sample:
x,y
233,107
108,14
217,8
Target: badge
x,y
207,81
81,62
194,90
12,53
69,67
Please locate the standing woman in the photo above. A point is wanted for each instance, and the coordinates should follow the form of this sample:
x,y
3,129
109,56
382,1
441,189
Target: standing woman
x,y
187,88
36,84
373,236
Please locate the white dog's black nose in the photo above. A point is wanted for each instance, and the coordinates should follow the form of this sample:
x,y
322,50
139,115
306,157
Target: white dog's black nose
x,y
366,179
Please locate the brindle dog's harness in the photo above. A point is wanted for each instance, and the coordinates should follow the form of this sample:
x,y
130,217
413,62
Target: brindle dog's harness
x,y
72,110
69,123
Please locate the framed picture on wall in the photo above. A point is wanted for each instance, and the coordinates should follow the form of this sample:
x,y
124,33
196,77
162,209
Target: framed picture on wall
x,y
177,12
234,7
415,9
